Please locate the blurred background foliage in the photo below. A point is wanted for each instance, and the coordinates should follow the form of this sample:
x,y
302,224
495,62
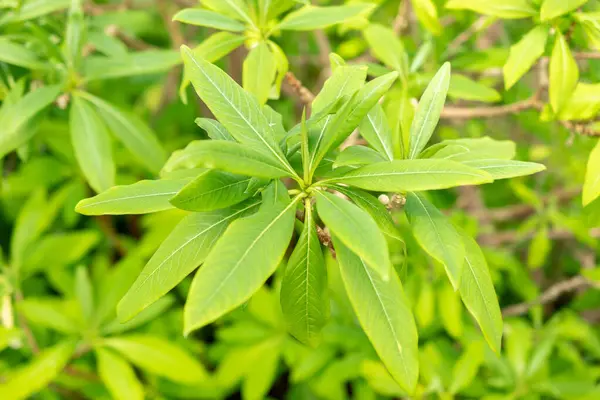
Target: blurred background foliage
x,y
63,274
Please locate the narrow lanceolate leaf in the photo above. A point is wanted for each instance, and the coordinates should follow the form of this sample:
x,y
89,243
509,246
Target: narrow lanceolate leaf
x,y
199,17
503,169
412,175
132,64
228,156
139,198
214,129
356,229
15,117
212,190
38,374
387,47
357,156
236,109
304,286
158,356
436,235
427,15
240,263
351,114
118,376
591,187
311,17
182,251
478,294
92,145
524,54
555,8
428,112
16,54
344,81
383,311
132,131
564,74
506,9
376,130
259,72
237,9
375,208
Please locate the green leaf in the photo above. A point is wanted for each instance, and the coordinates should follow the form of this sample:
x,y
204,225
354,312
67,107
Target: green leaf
x,y
30,9
344,81
351,114
427,15
199,17
92,145
387,47
465,369
75,36
31,221
84,292
428,112
412,175
240,263
261,376
591,186
503,169
15,117
214,129
147,315
356,229
375,208
132,64
16,54
583,104
472,149
564,74
464,88
436,235
304,298
506,9
228,156
236,109
376,130
132,131
237,9
478,294
212,190
357,155
212,49
259,72
158,356
524,54
186,247
118,376
555,8
139,198
49,313
310,18
383,311
450,310
35,376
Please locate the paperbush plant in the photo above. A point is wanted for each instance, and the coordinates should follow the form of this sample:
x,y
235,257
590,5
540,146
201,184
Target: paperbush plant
x,y
250,185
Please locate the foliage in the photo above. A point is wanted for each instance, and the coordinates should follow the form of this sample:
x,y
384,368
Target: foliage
x,y
395,235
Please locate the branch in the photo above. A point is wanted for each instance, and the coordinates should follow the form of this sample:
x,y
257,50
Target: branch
x,y
35,349
492,111
510,237
401,21
467,34
105,223
305,95
131,42
549,295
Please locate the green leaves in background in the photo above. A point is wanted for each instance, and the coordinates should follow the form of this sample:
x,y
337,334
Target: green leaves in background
x,y
591,187
564,74
36,375
186,247
304,297
357,230
92,145
429,110
436,235
240,262
210,19
387,47
131,64
384,313
118,376
17,54
508,9
312,17
427,15
16,117
524,54
555,8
